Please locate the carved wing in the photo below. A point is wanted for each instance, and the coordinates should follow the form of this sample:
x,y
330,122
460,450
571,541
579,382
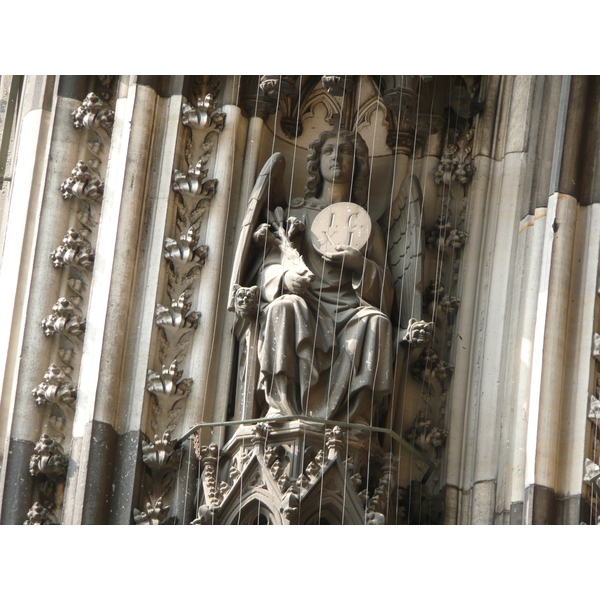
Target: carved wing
x,y
267,191
405,249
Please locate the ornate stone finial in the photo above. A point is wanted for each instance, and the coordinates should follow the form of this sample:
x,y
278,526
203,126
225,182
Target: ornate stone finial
x,y
260,431
48,459
334,442
55,387
93,114
338,85
82,184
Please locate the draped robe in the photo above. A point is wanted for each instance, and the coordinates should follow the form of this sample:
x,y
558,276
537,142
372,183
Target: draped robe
x,y
327,353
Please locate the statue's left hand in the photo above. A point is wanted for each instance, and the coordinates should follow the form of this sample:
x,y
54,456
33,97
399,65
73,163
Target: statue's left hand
x,y
346,256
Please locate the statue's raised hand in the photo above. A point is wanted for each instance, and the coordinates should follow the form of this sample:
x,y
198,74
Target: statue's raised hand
x,y
346,257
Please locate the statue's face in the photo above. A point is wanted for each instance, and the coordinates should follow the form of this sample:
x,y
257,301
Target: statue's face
x,y
337,160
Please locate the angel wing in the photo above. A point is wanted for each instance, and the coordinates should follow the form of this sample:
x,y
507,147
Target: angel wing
x,y
404,249
270,191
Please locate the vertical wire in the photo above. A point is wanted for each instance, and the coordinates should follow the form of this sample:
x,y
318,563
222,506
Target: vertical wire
x,y
334,344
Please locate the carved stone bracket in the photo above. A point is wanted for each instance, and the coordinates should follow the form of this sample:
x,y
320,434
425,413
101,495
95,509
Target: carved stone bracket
x,y
94,114
82,184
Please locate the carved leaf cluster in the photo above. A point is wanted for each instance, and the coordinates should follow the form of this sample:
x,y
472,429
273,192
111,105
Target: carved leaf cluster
x,y
93,114
75,251
48,459
65,319
82,184
56,387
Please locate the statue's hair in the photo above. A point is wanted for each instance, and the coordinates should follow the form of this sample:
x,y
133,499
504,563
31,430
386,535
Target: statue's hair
x,y
360,181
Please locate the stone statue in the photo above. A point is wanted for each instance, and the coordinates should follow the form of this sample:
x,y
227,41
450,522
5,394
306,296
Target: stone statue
x,y
325,293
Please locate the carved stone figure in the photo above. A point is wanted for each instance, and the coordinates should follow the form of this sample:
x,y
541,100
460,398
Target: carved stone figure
x,y
325,346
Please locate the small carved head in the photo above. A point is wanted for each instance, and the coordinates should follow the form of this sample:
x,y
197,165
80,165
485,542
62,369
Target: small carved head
x,y
245,300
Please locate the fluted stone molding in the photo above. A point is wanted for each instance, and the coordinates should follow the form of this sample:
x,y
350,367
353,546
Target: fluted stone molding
x,y
97,424
184,260
46,150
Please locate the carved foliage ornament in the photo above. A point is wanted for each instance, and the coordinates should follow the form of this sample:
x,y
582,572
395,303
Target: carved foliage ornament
x,y
55,387
82,184
93,114
75,251
48,459
65,319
